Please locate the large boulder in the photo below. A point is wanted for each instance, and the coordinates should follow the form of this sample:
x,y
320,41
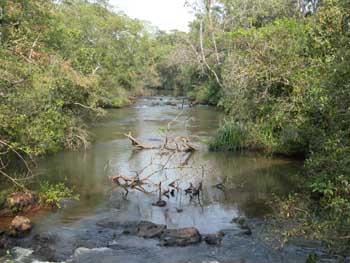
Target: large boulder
x,y
180,237
20,226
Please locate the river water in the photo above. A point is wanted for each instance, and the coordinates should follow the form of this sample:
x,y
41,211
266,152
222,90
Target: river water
x,y
71,233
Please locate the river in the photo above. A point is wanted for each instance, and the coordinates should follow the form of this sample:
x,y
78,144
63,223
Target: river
x,y
71,234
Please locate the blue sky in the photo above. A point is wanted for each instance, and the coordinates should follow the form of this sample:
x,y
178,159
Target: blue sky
x,y
165,14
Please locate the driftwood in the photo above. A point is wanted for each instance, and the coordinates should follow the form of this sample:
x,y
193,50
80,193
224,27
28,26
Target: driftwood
x,y
139,144
179,144
172,148
130,182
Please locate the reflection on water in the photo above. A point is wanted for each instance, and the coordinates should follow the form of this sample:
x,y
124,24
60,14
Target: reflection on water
x,y
248,180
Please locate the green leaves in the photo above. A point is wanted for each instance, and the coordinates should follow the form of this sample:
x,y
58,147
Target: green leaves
x,y
53,194
59,62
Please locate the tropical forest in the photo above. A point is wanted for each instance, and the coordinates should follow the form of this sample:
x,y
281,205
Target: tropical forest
x,y
227,140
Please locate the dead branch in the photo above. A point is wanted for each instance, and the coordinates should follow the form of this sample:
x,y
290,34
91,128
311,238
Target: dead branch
x,y
4,165
130,182
12,180
138,144
203,55
32,49
173,148
178,144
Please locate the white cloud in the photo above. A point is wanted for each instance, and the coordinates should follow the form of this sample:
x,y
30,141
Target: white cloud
x,y
165,14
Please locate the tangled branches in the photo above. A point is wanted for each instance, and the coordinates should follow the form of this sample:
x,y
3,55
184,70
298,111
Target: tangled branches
x,y
7,150
173,154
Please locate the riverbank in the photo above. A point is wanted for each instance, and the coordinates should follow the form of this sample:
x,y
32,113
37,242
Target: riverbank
x,y
234,185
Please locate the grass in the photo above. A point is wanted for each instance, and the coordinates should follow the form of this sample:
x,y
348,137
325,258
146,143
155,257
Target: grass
x,y
231,136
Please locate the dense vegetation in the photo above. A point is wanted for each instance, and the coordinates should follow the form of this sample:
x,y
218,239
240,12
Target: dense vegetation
x,y
281,75
283,78
60,63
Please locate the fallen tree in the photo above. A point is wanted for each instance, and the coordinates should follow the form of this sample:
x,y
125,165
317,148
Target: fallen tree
x,y
177,144
174,153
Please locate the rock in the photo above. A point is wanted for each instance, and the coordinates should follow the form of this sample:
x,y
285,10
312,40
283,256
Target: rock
x,y
247,231
20,226
6,212
18,201
145,229
131,228
150,230
239,220
107,223
242,222
180,237
214,239
21,254
3,241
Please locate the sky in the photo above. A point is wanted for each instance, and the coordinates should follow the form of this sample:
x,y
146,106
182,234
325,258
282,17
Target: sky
x,y
165,14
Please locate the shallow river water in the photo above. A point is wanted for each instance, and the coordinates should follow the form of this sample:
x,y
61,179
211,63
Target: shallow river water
x,y
71,233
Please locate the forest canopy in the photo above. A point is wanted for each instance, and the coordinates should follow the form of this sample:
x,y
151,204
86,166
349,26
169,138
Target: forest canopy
x,y
60,61
278,68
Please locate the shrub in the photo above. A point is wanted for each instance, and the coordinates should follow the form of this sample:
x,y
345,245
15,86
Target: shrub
x,y
231,136
53,194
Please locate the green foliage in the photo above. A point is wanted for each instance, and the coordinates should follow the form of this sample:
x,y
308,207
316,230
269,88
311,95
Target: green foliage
x,y
204,94
231,136
61,61
284,81
52,195
312,258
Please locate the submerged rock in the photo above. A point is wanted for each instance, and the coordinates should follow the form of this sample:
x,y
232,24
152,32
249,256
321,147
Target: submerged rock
x,y
150,230
3,240
239,220
107,223
145,229
180,237
214,239
20,226
247,231
21,254
43,246
242,222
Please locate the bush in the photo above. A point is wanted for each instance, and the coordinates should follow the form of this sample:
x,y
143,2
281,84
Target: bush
x,y
52,195
231,136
